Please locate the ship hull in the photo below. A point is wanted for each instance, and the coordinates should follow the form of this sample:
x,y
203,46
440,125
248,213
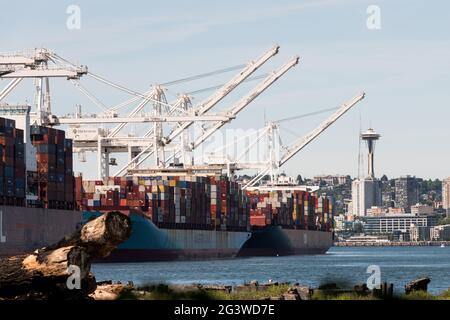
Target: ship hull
x,y
150,243
277,241
25,229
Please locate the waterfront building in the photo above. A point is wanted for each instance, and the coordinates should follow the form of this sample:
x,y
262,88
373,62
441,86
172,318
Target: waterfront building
x,y
401,235
440,233
390,223
406,192
367,239
332,180
419,233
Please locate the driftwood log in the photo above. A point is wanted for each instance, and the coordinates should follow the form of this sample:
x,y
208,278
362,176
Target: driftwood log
x,y
420,284
45,272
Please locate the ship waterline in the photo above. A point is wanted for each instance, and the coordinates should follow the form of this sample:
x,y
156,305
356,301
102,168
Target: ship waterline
x,y
151,243
278,241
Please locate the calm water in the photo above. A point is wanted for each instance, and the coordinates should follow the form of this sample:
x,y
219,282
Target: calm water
x,y
345,266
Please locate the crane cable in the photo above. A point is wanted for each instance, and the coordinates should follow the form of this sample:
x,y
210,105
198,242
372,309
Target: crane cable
x,y
203,75
305,115
221,85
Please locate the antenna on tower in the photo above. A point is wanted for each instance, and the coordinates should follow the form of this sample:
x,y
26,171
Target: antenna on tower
x,y
360,159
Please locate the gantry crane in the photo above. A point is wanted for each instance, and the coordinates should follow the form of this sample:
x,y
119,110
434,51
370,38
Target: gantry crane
x,y
276,154
231,111
43,64
203,108
300,143
39,64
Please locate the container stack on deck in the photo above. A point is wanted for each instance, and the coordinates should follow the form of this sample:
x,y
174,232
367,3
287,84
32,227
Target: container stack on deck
x,y
290,209
324,212
176,202
54,176
12,164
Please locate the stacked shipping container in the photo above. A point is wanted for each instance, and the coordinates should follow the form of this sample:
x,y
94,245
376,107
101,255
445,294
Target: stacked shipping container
x,y
54,177
290,209
178,202
12,164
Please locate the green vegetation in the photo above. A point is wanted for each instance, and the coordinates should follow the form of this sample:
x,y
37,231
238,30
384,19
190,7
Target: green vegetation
x,y
319,295
164,292
430,185
272,291
444,220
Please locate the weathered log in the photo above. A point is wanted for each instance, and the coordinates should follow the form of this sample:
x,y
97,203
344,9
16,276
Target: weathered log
x,y
417,285
99,236
43,271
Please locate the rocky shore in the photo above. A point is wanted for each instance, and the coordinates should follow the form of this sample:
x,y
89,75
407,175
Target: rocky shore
x,y
416,289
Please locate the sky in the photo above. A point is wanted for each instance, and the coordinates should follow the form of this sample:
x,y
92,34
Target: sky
x,y
402,66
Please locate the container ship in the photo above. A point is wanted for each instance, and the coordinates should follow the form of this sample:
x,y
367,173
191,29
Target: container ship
x,y
37,206
173,217
288,220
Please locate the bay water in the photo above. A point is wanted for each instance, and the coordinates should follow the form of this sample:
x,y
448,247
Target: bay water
x,y
344,266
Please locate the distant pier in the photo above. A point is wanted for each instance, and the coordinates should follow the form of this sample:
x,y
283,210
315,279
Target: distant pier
x,y
393,244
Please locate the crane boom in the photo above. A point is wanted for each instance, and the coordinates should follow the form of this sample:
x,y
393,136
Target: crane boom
x,y
241,104
244,101
53,73
143,119
9,87
211,102
225,90
119,127
304,141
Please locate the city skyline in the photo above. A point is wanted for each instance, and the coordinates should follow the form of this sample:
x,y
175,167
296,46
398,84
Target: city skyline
x,y
402,67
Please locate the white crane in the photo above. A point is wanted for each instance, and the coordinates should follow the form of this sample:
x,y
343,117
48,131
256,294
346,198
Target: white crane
x,y
235,108
39,64
300,143
43,64
203,108
244,101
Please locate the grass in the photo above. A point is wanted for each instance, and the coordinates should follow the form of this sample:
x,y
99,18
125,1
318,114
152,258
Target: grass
x,y
164,292
272,291
423,295
341,296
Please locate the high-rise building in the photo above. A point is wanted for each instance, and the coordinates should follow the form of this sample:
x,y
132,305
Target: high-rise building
x,y
406,192
366,192
387,193
446,194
